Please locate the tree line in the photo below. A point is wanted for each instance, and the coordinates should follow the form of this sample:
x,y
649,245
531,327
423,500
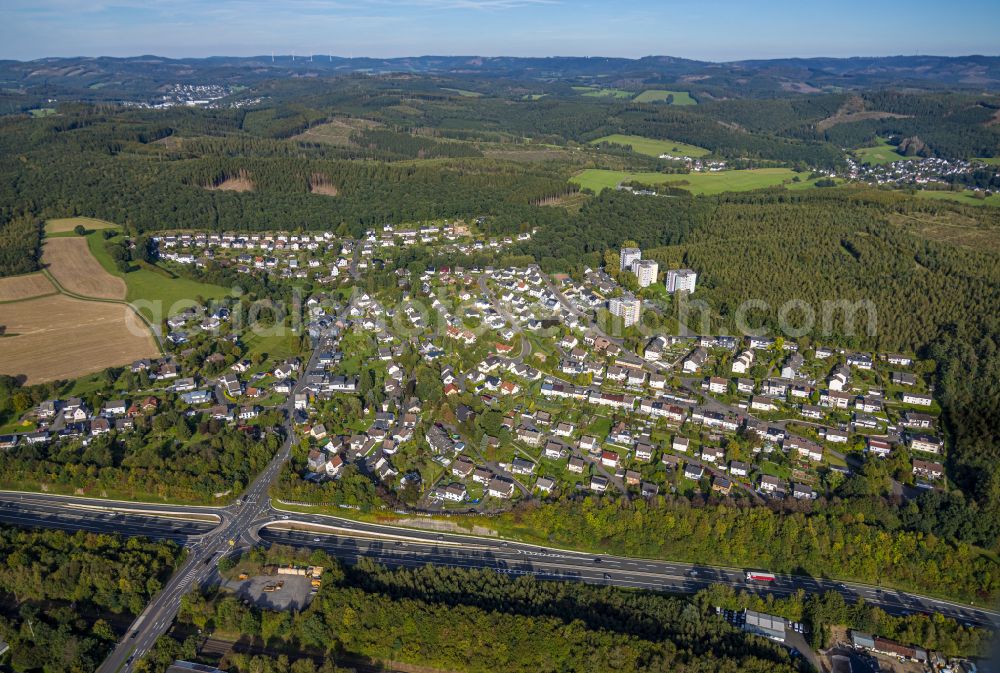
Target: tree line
x,y
66,596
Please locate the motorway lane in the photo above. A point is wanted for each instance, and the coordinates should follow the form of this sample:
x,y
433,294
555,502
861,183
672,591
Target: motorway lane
x,y
39,514
423,547
106,504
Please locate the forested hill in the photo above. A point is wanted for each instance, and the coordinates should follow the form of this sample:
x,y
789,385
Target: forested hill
x,y
109,78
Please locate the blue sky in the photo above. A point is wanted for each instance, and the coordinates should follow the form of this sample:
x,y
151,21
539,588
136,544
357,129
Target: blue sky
x,y
711,30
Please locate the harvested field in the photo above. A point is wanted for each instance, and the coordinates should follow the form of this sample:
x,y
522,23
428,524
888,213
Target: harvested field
x,y
950,228
59,337
71,264
23,287
238,183
64,224
320,184
853,110
337,131
572,202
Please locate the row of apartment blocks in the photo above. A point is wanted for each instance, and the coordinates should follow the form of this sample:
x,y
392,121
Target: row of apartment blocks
x,y
647,270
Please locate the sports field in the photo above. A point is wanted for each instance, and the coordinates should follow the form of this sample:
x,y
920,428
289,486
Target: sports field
x,y
882,153
58,337
75,269
653,147
658,95
597,179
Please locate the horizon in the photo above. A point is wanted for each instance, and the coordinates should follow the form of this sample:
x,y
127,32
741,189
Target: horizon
x,y
305,56
729,31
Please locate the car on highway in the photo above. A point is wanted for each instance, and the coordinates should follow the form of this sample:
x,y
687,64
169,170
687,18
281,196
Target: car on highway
x,y
315,539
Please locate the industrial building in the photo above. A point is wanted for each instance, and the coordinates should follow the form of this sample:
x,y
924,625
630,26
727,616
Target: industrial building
x,y
765,625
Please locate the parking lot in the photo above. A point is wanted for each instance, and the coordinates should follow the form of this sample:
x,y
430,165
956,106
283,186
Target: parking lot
x,y
293,594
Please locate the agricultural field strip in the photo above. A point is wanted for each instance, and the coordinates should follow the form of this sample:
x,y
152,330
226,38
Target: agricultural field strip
x,y
23,288
71,264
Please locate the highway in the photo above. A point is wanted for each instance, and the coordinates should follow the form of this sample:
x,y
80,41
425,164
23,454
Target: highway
x,y
394,546
159,523
257,522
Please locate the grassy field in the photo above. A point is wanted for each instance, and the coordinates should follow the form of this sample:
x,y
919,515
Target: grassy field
x,y
993,161
657,95
600,92
883,153
61,225
697,183
463,92
153,284
653,147
965,197
274,347
337,131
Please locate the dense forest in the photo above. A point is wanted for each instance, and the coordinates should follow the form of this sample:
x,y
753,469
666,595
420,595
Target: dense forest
x,y
406,150
66,598
823,543
463,620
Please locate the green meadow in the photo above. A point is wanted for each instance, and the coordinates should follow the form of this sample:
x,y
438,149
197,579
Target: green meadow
x,y
463,92
659,95
153,283
653,147
965,197
597,179
883,153
600,92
